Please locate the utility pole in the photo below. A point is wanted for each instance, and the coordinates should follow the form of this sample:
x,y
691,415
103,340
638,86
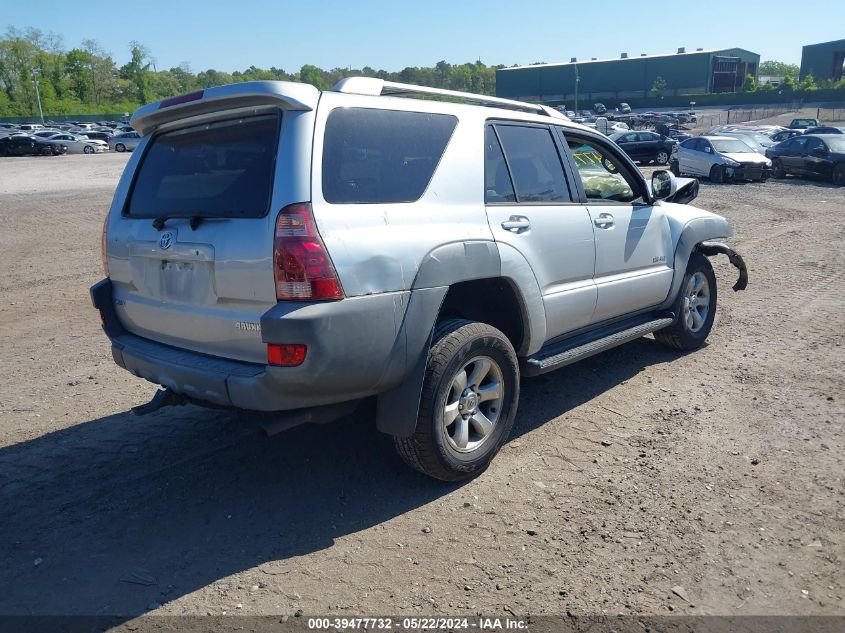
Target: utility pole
x,y
37,94
577,81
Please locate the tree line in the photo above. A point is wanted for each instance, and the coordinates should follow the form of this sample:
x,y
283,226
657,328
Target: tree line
x,y
86,79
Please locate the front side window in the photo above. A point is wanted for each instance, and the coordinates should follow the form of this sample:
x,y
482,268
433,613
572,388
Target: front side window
x,y
535,166
601,172
382,156
219,169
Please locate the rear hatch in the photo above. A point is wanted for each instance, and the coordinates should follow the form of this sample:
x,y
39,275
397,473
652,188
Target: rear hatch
x,y
190,234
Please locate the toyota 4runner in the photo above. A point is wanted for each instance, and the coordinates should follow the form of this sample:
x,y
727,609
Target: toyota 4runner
x,y
276,248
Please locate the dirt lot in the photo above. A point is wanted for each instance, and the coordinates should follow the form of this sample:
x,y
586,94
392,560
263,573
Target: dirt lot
x,y
634,472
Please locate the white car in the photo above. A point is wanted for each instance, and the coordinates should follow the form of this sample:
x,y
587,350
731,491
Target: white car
x,y
719,158
78,144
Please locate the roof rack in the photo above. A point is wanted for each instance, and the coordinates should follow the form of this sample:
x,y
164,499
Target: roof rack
x,y
375,87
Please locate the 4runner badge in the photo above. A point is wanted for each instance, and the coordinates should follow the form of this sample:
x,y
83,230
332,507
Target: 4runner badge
x,y
166,240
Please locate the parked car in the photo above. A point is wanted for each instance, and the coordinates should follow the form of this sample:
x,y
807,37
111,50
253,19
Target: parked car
x,y
127,141
419,255
824,130
803,124
820,155
30,127
624,108
720,158
758,142
78,144
645,147
25,145
99,136
599,108
779,137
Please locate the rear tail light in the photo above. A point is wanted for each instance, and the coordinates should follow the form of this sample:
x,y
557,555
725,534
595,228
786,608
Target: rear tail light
x,y
302,268
286,355
103,245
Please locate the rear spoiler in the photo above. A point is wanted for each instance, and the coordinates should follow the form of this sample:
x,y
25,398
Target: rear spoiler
x,y
286,94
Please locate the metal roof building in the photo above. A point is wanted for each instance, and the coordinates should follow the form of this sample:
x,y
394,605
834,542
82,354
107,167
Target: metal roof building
x,y
694,72
823,61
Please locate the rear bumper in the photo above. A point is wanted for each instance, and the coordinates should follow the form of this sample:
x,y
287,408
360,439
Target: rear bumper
x,y
354,351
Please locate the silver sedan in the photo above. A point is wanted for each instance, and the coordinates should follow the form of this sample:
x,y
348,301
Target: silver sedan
x,y
124,142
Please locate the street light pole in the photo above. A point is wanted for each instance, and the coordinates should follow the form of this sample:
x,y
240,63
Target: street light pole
x,y
577,81
37,95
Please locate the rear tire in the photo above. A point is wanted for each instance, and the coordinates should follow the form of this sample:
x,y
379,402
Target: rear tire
x,y
717,174
468,403
695,307
839,175
777,169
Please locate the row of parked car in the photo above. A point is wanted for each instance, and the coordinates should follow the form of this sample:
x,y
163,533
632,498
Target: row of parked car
x,y
730,153
34,139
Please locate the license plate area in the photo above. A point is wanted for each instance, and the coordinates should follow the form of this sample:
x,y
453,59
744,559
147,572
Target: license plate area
x,y
181,274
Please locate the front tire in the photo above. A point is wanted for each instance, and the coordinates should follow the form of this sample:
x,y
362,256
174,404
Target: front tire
x,y
120,147
468,404
662,157
695,307
88,149
675,168
717,174
777,169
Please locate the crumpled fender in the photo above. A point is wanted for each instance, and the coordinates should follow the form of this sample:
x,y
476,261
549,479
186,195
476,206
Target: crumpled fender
x,y
715,248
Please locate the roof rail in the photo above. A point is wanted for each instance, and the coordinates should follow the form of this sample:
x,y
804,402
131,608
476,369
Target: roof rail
x,y
375,87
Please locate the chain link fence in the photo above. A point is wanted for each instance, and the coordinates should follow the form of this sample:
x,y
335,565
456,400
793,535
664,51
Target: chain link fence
x,y
831,115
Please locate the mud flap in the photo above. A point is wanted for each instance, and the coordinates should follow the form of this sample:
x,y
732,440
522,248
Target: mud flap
x,y
714,248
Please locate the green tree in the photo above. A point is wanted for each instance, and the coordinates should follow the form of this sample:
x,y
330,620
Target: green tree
x,y
137,69
750,84
808,83
658,87
778,69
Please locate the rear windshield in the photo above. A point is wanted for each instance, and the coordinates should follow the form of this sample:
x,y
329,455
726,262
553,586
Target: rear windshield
x,y
372,156
220,169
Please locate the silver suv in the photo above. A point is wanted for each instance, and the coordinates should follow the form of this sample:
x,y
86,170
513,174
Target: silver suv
x,y
272,247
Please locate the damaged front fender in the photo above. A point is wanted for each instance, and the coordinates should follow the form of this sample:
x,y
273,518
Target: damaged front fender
x,y
714,248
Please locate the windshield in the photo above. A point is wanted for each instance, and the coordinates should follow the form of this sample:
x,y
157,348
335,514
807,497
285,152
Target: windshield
x,y
733,146
220,169
836,144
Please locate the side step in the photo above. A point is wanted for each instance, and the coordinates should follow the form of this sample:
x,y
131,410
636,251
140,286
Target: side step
x,y
571,351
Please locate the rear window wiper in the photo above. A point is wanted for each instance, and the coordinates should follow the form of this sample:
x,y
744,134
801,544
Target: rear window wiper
x,y
193,220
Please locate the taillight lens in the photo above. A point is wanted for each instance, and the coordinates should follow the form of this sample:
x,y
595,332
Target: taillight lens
x,y
103,246
286,355
301,265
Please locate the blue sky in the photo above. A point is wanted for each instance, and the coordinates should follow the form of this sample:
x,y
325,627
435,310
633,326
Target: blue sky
x,y
229,35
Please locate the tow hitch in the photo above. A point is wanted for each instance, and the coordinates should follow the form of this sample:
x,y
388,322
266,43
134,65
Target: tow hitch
x,y
162,398
714,248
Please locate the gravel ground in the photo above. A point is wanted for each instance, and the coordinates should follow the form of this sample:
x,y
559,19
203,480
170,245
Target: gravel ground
x,y
630,474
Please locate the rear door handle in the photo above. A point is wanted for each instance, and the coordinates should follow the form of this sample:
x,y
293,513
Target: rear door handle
x,y
604,221
516,223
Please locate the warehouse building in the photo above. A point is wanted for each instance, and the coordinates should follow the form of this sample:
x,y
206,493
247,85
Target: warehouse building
x,y
823,61
694,72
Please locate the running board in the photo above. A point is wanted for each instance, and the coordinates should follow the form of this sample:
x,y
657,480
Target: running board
x,y
563,354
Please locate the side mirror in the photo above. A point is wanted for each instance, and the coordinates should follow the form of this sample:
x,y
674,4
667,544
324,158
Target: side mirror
x,y
663,184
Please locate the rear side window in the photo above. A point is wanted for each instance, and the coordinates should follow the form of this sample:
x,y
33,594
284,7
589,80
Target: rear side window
x,y
220,169
534,163
381,156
